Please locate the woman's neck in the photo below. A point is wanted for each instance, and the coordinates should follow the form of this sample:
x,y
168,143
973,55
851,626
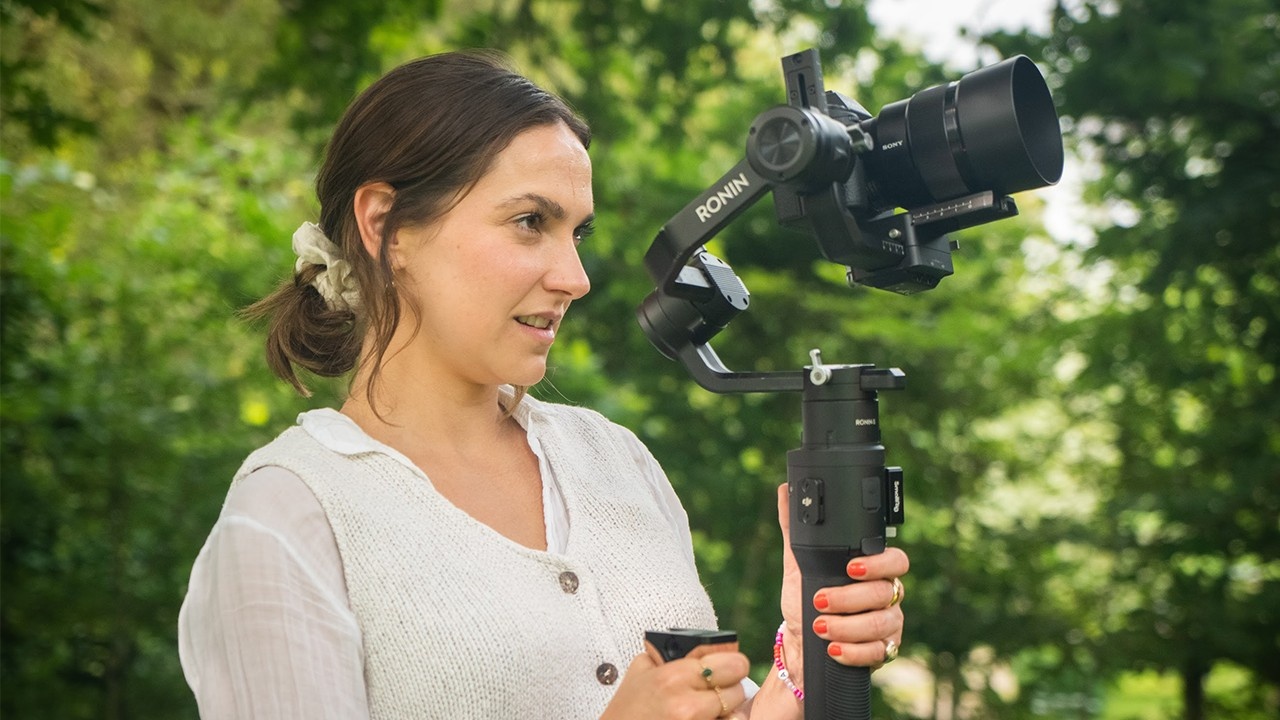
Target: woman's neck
x,y
406,413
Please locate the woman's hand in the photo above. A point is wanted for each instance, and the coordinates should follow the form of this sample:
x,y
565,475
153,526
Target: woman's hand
x,y
862,621
681,689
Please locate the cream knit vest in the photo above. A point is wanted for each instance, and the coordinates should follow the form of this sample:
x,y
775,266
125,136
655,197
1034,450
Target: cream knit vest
x,y
460,622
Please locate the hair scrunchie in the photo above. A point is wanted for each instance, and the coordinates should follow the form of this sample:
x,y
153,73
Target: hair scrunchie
x,y
336,283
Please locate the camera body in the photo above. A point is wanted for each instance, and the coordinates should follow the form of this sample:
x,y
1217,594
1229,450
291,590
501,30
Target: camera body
x,y
949,156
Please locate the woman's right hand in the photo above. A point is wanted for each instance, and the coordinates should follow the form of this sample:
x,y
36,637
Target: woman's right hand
x,y
678,690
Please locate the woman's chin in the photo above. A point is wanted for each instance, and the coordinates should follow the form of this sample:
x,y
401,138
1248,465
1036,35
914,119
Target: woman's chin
x,y
529,376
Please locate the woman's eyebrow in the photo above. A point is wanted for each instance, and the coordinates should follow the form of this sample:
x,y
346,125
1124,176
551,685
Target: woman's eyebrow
x,y
544,203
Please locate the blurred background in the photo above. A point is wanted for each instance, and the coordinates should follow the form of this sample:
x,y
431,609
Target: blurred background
x,y
1091,427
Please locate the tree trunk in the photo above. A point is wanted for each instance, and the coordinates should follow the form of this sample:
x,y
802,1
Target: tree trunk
x,y
1193,675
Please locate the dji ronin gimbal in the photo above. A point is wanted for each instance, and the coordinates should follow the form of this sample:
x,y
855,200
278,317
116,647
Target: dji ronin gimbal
x,y
949,157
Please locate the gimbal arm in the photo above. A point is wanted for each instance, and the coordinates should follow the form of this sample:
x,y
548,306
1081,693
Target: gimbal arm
x,y
699,221
698,294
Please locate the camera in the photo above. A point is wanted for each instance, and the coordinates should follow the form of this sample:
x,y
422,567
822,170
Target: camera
x,y
878,194
949,155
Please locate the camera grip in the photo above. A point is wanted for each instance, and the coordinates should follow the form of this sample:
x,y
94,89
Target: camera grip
x,y
831,690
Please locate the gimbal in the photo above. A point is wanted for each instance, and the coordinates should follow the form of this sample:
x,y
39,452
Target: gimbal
x,y
950,155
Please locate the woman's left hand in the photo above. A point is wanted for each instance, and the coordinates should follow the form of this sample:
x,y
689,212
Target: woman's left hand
x,y
861,621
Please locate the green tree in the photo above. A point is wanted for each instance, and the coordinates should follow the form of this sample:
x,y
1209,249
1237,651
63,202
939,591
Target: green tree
x,y
129,391
1176,103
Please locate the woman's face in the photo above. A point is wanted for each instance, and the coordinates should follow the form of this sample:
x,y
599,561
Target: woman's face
x,y
494,276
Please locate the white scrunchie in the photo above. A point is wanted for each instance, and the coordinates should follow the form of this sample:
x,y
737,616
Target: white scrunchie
x,y
336,284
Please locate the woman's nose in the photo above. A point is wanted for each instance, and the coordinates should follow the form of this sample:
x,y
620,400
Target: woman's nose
x,y
567,275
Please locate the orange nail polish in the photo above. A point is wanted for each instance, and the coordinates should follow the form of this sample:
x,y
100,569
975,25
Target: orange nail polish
x,y
821,602
820,626
857,569
834,650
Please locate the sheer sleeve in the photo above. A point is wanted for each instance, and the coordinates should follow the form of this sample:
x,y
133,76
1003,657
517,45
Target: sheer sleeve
x,y
266,630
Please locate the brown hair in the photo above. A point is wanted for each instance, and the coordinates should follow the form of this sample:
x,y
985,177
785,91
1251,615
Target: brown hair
x,y
430,129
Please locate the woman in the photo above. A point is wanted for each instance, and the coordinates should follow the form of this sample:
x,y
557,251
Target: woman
x,y
443,546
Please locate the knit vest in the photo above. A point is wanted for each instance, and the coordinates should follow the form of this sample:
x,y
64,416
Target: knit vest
x,y
459,621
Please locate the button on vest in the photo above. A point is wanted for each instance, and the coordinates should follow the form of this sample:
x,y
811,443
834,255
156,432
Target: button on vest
x,y
569,582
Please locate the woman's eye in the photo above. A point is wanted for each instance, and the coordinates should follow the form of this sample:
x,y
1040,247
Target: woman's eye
x,y
584,231
531,222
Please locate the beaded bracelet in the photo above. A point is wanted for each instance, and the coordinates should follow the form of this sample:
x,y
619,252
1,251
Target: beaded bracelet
x,y
778,662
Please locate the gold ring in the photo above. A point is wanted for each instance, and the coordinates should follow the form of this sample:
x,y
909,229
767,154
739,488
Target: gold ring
x,y
706,674
898,593
890,651
724,709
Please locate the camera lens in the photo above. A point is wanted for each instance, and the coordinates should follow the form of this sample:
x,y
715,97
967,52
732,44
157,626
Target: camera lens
x,y
994,129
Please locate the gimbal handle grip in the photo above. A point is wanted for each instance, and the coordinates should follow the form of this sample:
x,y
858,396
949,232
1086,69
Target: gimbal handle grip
x,y
832,691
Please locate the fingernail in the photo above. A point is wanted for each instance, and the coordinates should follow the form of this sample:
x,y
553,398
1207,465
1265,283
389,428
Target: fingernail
x,y
834,650
820,626
821,602
857,569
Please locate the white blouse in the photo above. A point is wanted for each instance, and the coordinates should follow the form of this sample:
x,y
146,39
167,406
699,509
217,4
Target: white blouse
x,y
266,631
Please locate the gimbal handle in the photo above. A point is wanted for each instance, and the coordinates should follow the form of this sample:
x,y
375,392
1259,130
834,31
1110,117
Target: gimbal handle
x,y
843,502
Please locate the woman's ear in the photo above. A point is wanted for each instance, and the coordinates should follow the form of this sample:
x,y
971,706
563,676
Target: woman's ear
x,y
372,203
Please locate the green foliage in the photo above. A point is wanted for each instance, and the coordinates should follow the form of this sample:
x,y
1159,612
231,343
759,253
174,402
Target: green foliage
x,y
27,102
129,394
1178,102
